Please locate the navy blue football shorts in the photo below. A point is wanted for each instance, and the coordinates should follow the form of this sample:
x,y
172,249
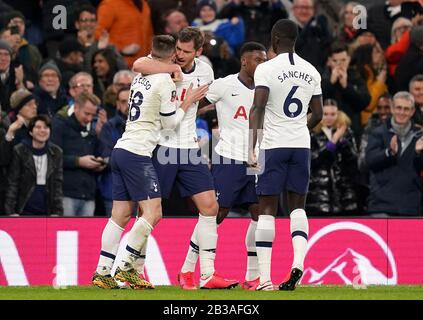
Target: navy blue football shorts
x,y
285,169
184,167
134,177
232,184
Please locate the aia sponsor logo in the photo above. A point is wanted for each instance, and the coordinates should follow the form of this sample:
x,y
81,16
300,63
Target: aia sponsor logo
x,y
349,253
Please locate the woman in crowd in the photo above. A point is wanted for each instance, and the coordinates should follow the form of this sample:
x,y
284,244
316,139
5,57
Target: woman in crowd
x,y
332,188
370,62
104,67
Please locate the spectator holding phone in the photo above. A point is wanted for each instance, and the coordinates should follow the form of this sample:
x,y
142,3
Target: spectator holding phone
x,y
81,162
28,54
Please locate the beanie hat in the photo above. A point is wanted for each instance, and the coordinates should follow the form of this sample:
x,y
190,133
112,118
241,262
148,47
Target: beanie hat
x,y
5,46
19,99
204,3
13,14
50,65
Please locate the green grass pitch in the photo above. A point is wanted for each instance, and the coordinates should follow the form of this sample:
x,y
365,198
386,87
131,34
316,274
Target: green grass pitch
x,y
175,293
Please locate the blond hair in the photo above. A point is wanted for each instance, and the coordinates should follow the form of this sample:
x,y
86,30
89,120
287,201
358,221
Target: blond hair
x,y
341,119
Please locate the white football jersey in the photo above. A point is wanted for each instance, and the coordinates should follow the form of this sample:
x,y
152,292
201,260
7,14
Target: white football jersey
x,y
233,101
151,96
292,82
185,135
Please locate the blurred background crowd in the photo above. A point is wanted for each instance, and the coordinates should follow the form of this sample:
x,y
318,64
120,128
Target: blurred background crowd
x,y
64,96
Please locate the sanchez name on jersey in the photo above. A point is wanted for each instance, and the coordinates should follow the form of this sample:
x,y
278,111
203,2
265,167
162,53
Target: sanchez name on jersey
x,y
292,82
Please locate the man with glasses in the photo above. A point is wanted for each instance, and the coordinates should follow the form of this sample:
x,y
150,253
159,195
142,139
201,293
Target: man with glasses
x,y
383,113
86,24
49,93
82,82
394,158
121,79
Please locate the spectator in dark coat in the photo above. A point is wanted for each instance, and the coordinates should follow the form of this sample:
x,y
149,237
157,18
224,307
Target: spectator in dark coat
x,y
416,89
314,34
413,57
110,133
35,174
343,84
259,17
394,158
80,156
383,113
27,54
71,59
8,72
51,97
381,17
5,156
334,169
158,7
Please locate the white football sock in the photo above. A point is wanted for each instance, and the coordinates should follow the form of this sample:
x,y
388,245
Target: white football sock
x,y
136,239
207,240
250,244
109,247
299,234
140,262
265,234
192,254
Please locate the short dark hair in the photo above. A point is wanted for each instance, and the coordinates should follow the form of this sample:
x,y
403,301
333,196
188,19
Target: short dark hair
x,y
86,7
250,47
192,34
338,47
286,30
163,46
12,15
41,117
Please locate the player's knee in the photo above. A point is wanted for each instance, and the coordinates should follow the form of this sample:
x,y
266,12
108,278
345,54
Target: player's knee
x,y
209,208
121,218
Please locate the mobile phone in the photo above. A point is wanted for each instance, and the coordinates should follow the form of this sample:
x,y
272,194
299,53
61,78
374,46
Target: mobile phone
x,y
14,30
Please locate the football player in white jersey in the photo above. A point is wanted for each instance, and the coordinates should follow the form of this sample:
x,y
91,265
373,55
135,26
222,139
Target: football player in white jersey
x,y
286,87
152,105
233,97
178,160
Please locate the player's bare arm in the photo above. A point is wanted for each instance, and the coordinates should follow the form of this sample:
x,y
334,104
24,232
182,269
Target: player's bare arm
x,y
261,96
146,66
316,106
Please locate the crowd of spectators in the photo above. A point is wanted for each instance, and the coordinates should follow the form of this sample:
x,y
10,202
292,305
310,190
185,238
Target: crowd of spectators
x,y
64,96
